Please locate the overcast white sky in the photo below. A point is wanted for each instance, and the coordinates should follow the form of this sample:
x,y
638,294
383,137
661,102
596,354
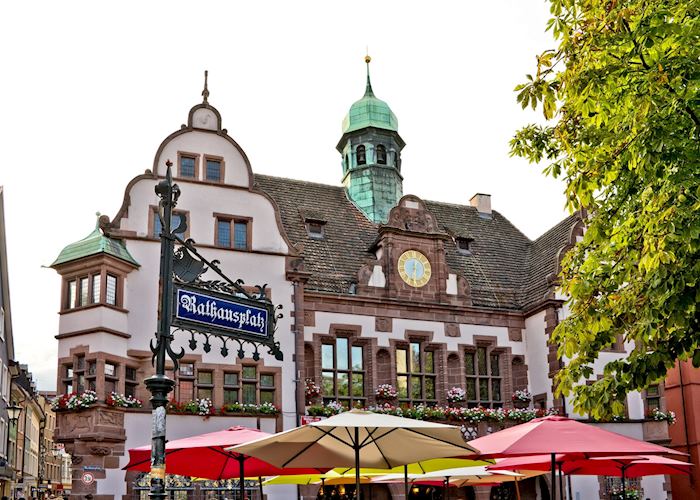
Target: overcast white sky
x,y
88,91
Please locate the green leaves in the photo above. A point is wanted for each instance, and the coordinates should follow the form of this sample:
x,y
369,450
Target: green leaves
x,y
622,92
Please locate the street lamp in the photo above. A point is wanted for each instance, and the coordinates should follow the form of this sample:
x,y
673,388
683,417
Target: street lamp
x,y
13,412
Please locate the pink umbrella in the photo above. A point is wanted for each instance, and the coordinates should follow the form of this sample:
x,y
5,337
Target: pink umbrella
x,y
555,435
205,456
621,466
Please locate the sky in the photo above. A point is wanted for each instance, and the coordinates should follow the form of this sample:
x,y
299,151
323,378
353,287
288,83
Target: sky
x,y
89,90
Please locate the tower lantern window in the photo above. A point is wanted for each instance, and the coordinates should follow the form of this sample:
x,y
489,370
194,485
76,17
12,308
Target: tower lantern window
x,y
361,155
381,155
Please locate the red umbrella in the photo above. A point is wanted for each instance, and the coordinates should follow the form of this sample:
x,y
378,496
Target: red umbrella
x,y
554,435
205,456
621,466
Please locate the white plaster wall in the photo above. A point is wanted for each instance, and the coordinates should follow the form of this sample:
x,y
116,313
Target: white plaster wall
x,y
536,356
93,317
138,429
98,341
212,144
399,327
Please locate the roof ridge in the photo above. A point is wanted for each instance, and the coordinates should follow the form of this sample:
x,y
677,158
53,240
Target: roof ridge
x,y
299,181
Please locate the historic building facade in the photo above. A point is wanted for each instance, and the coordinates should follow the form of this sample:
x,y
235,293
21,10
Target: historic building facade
x,y
377,287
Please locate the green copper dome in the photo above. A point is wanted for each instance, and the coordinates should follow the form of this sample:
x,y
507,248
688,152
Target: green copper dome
x,y
93,244
370,112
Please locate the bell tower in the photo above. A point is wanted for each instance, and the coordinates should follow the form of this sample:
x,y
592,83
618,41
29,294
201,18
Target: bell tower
x,y
371,155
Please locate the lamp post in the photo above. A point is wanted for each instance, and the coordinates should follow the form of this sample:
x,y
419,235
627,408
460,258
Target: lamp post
x,y
13,413
159,384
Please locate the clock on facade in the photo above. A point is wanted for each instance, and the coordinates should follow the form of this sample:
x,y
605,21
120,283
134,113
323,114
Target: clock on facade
x,y
414,268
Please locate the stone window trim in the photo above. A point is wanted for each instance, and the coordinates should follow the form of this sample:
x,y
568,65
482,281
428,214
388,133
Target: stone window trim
x,y
248,221
153,213
648,396
187,154
89,275
353,334
220,369
424,339
222,171
91,367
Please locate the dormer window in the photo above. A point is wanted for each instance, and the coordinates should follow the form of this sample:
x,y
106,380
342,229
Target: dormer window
x,y
464,245
361,155
381,155
314,228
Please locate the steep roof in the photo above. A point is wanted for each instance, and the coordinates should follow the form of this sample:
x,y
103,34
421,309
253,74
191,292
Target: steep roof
x,y
505,269
94,243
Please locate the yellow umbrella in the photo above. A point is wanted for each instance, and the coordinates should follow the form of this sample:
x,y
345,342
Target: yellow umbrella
x,y
422,467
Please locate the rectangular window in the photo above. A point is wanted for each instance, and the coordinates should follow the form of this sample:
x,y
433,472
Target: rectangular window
x,y
72,294
130,390
83,291
343,376
223,233
174,222
92,367
205,378
187,166
415,375
111,290
240,235
187,369
483,377
232,233
213,171
653,398
204,393
130,373
96,288
110,370
230,388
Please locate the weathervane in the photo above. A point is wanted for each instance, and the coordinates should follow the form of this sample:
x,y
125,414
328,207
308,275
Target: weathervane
x,y
205,92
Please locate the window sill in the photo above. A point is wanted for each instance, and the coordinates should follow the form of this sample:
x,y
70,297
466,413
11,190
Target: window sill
x,y
93,306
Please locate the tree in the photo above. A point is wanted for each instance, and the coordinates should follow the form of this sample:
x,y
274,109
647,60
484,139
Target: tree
x,y
621,100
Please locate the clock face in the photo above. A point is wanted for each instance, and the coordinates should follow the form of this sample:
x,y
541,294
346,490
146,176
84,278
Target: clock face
x,y
414,268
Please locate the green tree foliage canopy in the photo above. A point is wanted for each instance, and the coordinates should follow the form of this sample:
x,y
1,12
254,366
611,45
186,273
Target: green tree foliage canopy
x,y
621,98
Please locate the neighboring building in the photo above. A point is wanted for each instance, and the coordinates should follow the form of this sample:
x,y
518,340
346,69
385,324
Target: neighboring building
x,y
51,456
681,392
28,437
6,355
376,288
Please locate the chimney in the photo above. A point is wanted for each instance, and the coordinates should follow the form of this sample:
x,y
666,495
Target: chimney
x,y
482,202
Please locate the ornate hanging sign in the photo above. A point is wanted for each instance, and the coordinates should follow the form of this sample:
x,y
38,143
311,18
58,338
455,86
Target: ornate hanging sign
x,y
227,315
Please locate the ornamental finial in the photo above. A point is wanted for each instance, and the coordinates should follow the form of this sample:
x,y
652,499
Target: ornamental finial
x,y
205,92
368,88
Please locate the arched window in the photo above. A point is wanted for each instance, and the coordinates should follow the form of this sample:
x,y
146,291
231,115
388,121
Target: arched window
x,y
381,155
361,157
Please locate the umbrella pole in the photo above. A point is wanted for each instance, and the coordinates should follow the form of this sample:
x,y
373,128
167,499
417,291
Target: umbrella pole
x,y
561,484
405,481
554,477
261,488
357,463
241,486
624,491
517,489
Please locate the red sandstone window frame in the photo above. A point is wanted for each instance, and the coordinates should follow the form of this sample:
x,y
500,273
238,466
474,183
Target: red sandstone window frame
x,y
423,374
489,376
222,168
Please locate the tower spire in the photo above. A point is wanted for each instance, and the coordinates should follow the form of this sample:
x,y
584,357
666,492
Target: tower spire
x,y
368,88
205,92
